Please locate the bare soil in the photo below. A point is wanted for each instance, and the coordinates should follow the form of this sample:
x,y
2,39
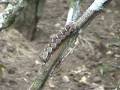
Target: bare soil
x,y
93,65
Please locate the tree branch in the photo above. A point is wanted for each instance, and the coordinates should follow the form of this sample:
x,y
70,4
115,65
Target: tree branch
x,y
8,16
58,54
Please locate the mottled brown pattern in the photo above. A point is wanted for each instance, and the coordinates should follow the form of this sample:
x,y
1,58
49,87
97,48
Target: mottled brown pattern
x,y
56,39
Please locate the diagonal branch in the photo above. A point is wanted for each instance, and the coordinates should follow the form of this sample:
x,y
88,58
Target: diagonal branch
x,y
8,16
58,53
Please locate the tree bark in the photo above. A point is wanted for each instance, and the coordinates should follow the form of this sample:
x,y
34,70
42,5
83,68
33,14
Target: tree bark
x,y
57,55
26,22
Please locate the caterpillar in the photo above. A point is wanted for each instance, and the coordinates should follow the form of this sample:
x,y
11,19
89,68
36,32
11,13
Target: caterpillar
x,y
55,41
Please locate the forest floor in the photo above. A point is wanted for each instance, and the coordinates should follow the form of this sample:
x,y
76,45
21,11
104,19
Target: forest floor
x,y
94,65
